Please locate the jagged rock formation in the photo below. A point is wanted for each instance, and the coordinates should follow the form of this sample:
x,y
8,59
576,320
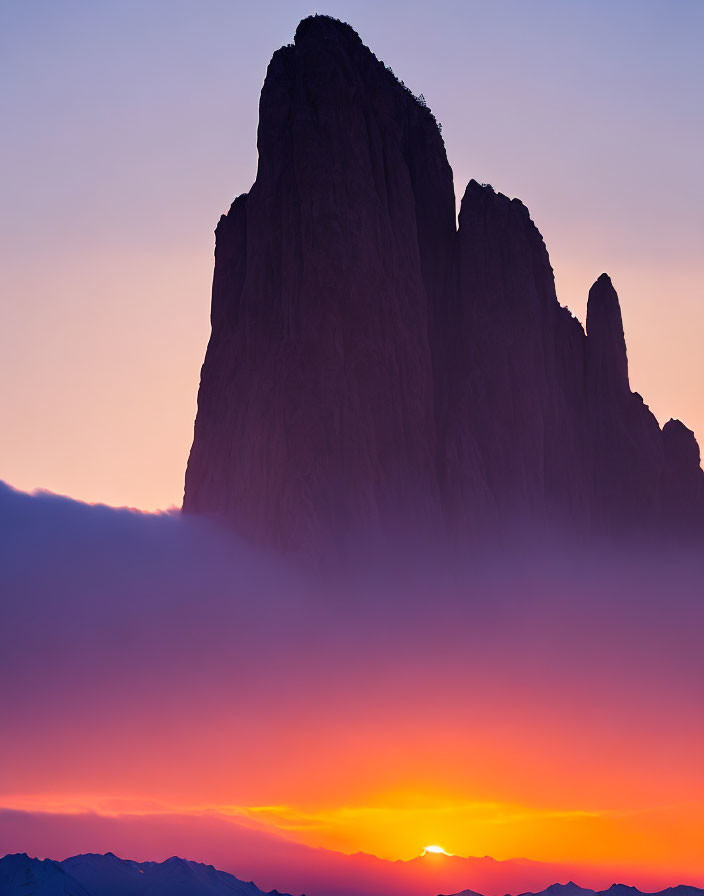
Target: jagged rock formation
x,y
371,367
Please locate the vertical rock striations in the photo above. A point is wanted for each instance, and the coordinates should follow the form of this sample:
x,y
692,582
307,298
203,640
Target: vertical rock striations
x,y
316,405
518,360
372,368
626,443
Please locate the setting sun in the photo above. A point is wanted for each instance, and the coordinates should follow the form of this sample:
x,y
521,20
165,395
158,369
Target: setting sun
x,y
436,849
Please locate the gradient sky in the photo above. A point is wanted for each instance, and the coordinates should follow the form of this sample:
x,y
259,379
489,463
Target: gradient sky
x,y
130,126
166,689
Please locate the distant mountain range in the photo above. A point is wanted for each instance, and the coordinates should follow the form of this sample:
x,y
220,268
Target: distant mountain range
x,y
108,875
573,889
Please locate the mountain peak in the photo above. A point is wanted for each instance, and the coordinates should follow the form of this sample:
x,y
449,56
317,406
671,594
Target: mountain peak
x,y
681,444
322,303
558,889
605,337
319,27
621,888
328,50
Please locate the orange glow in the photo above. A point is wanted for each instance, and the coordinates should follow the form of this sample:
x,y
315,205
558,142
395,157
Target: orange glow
x,y
663,840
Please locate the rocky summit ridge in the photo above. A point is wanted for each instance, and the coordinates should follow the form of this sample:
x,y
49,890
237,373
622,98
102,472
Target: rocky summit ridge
x,y
374,367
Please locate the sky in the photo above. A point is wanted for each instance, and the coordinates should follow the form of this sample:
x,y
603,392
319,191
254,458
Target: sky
x,y
167,689
131,126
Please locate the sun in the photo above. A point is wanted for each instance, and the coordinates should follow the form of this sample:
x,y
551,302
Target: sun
x,y
438,850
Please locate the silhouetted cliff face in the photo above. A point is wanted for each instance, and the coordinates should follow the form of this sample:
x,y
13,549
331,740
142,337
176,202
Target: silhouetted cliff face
x,y
682,487
518,363
627,443
316,406
608,362
371,367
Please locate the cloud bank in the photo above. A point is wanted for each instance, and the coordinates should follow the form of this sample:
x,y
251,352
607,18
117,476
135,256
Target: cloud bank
x,y
173,681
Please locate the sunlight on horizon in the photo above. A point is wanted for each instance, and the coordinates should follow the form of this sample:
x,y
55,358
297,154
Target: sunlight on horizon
x,y
437,850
